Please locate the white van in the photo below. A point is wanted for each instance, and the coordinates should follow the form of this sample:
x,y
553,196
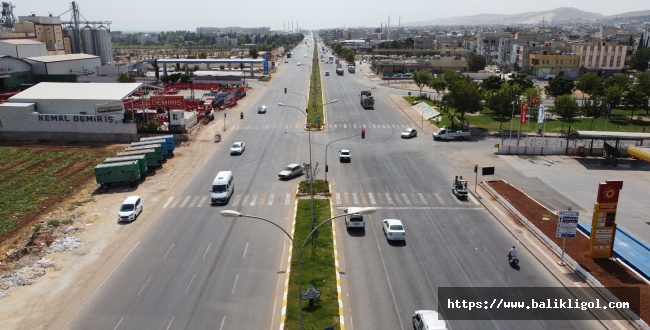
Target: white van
x,y
354,220
223,187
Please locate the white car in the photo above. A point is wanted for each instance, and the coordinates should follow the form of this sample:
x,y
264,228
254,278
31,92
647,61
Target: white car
x,y
290,171
394,230
409,133
298,63
130,209
428,320
344,156
237,148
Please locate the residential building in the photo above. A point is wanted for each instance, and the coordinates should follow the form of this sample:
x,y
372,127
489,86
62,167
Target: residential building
x,y
46,29
488,45
605,58
544,65
423,42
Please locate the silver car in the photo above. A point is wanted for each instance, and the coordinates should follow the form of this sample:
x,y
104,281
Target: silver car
x,y
409,133
237,148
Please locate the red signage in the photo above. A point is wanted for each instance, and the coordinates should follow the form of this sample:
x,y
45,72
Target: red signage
x,y
173,102
522,118
608,192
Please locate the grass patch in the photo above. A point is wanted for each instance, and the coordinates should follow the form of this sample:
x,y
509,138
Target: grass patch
x,y
320,187
315,104
319,271
265,78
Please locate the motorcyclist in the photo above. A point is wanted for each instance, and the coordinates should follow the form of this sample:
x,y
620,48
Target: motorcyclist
x,y
241,115
512,253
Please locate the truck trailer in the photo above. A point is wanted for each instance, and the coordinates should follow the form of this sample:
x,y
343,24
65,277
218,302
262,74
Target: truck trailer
x,y
366,99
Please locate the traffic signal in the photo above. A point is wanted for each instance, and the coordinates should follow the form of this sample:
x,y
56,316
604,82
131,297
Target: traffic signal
x,y
363,133
476,168
327,168
285,90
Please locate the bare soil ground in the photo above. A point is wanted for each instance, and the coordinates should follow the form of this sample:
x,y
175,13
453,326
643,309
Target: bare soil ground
x,y
608,272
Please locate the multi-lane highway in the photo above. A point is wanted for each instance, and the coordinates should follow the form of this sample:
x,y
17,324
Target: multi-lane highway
x,y
195,269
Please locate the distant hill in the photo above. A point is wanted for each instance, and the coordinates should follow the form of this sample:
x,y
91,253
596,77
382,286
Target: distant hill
x,y
553,16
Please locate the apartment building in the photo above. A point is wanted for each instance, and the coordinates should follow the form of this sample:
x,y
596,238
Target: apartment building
x,y
488,45
605,58
545,65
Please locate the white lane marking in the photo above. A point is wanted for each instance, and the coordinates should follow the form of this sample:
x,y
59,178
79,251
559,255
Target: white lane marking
x,y
439,198
193,202
187,199
424,201
234,284
271,196
118,323
390,200
245,249
102,284
202,201
338,198
355,200
287,199
168,201
206,250
223,321
190,284
406,199
253,200
237,198
168,250
344,126
145,285
372,198
354,125
170,323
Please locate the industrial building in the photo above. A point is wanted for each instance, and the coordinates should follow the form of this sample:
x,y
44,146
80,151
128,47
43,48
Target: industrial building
x,y
69,112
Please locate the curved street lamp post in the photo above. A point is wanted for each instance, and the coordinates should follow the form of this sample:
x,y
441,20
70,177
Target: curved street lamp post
x,y
235,214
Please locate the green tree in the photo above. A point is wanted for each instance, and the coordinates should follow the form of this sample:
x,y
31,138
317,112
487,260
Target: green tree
x,y
640,58
559,86
521,80
613,95
438,84
157,70
164,79
566,106
642,83
421,79
124,77
502,101
635,99
476,62
621,80
594,107
254,52
590,84
492,83
465,97
185,77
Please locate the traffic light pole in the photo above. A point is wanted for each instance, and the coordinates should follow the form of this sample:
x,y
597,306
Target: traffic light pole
x,y
326,169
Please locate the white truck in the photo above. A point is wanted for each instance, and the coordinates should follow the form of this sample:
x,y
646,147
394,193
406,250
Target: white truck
x,y
352,220
448,134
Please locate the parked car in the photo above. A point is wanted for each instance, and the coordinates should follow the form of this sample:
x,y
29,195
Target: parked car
x,y
409,133
394,230
130,209
292,170
237,148
344,156
261,109
428,320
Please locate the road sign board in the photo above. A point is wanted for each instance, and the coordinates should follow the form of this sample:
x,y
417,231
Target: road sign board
x,y
567,224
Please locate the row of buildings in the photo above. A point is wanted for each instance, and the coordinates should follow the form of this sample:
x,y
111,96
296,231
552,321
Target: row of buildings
x,y
540,51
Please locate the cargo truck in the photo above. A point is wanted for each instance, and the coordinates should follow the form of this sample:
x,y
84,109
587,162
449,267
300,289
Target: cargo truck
x,y
331,59
153,143
158,149
127,171
366,99
169,139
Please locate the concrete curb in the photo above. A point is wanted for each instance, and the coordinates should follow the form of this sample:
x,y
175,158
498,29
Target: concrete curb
x,y
283,313
339,291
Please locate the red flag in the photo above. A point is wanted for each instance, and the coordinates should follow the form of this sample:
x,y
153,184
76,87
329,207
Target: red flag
x,y
522,118
533,100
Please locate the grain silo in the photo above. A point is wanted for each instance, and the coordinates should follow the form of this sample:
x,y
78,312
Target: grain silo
x,y
74,42
88,41
103,44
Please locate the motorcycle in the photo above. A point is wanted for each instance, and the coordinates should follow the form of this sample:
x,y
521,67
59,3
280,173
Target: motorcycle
x,y
514,261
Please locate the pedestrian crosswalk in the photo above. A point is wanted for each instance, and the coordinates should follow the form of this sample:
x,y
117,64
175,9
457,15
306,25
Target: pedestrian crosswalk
x,y
329,126
339,199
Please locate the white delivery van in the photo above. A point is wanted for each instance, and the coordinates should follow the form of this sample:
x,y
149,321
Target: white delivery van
x,y
223,187
354,220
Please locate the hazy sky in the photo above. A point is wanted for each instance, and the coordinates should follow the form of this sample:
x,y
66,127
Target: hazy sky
x,y
157,15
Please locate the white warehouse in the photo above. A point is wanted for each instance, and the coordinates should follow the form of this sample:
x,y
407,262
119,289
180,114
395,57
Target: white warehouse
x,y
77,64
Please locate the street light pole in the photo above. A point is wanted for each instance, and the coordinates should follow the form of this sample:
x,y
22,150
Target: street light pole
x,y
232,214
351,136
